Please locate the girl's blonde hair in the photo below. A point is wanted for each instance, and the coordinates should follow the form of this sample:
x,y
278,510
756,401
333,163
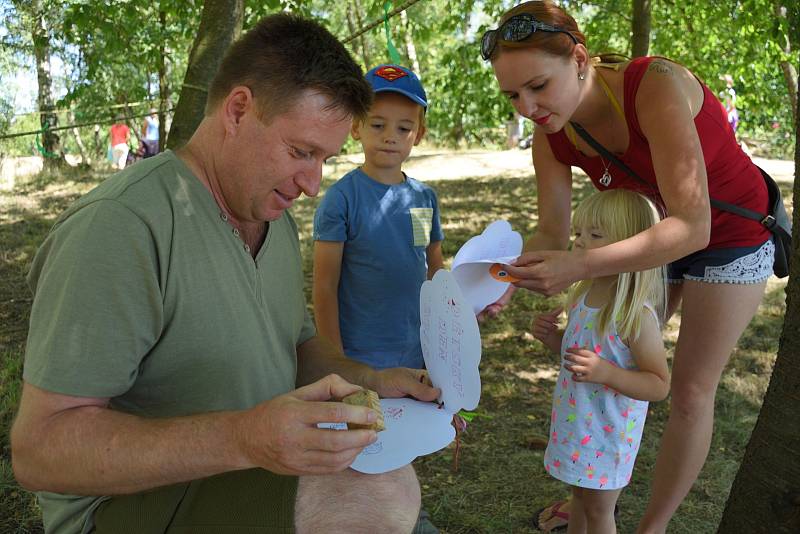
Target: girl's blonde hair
x,y
621,214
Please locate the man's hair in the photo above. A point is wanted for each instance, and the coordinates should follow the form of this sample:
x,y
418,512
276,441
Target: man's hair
x,y
281,58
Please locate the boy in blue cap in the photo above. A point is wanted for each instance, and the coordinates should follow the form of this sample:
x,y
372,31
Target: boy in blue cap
x,y
377,237
377,234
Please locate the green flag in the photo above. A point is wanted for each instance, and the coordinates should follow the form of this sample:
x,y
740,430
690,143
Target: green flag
x,y
393,55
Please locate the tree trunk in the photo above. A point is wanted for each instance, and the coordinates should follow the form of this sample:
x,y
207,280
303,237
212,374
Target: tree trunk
x,y
85,159
163,84
765,496
789,71
356,11
640,38
220,25
51,143
411,50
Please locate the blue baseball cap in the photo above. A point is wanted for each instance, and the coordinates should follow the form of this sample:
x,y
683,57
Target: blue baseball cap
x,y
397,79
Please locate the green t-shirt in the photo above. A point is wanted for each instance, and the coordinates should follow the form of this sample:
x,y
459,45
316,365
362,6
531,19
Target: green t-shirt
x,y
144,293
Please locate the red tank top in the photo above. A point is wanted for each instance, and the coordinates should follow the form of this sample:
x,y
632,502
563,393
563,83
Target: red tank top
x,y
732,176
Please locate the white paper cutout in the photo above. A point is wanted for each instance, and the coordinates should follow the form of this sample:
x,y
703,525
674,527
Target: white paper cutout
x,y
498,244
451,342
413,428
451,347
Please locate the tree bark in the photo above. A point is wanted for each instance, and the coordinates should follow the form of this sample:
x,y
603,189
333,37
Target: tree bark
x,y
163,84
411,50
789,70
40,34
640,26
85,159
220,25
353,9
765,496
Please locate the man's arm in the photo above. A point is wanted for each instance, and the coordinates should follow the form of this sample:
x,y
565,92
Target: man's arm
x,y
318,357
79,445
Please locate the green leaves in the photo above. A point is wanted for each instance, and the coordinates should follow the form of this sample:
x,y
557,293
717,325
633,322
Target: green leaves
x,y
114,53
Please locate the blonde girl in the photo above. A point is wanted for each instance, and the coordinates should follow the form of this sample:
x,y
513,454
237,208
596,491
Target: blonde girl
x,y
613,364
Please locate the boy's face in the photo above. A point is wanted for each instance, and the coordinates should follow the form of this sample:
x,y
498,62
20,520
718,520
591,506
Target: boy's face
x,y
390,129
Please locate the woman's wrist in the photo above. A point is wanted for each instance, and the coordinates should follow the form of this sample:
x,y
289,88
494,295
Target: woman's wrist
x,y
584,265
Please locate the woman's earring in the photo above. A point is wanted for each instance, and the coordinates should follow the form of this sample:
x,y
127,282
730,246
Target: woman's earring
x,y
581,76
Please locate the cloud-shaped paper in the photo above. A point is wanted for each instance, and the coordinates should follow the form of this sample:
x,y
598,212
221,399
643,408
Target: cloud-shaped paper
x,y
451,346
472,266
451,342
413,428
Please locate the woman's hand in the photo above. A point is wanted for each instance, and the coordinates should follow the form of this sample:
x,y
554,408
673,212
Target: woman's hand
x,y
549,271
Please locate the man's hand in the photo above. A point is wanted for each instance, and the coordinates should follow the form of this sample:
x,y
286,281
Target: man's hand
x,y
281,434
587,366
403,382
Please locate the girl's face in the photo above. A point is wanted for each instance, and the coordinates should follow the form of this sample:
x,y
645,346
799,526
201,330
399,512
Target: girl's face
x,y
589,237
541,86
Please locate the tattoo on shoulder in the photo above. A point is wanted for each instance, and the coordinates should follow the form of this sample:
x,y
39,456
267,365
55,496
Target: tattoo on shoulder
x,y
661,67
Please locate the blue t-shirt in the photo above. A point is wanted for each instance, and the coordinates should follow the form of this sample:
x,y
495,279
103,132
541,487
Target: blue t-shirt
x,y
151,133
386,230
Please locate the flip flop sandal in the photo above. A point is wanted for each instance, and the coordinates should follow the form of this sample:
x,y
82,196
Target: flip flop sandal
x,y
554,512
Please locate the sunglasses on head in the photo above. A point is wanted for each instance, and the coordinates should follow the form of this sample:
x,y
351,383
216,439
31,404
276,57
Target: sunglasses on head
x,y
517,28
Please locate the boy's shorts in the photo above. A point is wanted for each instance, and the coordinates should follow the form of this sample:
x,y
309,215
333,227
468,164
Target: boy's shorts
x,y
741,265
247,501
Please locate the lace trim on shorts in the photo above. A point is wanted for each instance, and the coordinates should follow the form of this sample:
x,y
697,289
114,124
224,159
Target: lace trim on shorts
x,y
750,269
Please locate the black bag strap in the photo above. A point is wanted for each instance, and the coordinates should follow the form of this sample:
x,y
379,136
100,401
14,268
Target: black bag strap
x,y
766,220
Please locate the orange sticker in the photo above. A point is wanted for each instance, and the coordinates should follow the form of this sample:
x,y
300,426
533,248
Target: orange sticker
x,y
500,274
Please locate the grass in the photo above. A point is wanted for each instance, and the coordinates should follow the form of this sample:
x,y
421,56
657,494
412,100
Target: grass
x,y
500,479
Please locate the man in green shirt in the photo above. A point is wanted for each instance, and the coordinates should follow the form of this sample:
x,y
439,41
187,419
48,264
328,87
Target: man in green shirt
x,y
169,329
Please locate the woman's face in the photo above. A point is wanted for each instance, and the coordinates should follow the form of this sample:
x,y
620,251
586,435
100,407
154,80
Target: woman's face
x,y
541,86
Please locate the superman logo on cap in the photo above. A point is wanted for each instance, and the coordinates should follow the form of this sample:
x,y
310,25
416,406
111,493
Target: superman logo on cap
x,y
390,73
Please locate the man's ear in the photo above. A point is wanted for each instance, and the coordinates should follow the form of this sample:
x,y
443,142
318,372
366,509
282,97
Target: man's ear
x,y
354,129
238,102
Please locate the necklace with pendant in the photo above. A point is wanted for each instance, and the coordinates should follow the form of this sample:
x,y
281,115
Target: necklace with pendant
x,y
605,180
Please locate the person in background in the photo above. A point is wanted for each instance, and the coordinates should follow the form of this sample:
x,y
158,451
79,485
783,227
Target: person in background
x,y
513,130
150,135
119,137
729,101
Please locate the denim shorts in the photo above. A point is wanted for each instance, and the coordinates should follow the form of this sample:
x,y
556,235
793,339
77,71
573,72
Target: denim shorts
x,y
741,265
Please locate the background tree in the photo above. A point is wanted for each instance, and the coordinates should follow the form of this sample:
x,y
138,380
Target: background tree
x,y
765,496
220,25
39,17
137,55
640,34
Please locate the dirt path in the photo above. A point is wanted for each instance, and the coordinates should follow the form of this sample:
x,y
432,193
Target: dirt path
x,y
429,164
